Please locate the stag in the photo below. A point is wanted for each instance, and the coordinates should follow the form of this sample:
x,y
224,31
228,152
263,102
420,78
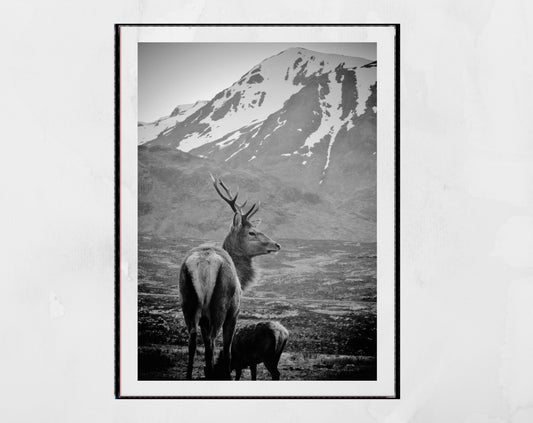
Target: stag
x,y
257,343
212,280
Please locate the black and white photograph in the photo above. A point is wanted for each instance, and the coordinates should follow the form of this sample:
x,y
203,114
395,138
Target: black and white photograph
x,y
257,221
292,147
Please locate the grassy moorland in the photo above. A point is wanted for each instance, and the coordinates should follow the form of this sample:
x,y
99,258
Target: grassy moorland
x,y
323,292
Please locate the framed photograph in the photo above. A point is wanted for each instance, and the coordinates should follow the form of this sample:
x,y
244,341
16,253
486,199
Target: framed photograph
x,y
257,211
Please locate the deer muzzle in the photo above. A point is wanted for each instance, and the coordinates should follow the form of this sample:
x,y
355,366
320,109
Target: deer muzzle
x,y
274,247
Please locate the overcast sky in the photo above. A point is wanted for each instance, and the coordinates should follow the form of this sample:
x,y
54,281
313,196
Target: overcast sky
x,y
179,73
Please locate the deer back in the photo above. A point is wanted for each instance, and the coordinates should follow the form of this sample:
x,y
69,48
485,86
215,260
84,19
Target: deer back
x,y
213,278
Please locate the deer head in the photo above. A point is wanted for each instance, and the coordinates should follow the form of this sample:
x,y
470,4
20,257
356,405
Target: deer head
x,y
244,238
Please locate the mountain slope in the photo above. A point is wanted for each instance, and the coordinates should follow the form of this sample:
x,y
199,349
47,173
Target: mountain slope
x,y
177,198
301,120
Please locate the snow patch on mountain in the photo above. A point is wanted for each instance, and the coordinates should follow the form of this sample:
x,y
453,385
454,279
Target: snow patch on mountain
x,y
332,119
280,124
332,140
229,140
242,147
365,78
150,131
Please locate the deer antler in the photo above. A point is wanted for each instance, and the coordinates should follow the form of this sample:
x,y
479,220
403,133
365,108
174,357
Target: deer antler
x,y
232,200
253,210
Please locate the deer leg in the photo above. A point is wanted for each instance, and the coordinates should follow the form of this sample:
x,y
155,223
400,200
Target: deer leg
x,y
272,365
273,369
209,344
228,330
192,351
253,369
191,314
209,347
192,326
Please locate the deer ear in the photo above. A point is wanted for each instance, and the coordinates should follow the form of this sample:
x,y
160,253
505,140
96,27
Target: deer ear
x,y
237,220
255,223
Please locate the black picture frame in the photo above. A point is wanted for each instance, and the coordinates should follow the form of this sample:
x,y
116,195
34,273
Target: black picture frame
x,y
117,205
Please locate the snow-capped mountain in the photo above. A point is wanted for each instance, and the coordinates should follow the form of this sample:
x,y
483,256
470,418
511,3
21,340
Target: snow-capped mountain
x,y
150,131
298,130
292,107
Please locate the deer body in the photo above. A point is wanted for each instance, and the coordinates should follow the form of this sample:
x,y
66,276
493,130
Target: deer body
x,y
212,280
210,297
253,344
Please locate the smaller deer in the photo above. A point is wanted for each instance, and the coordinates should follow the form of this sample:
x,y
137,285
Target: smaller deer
x,y
257,343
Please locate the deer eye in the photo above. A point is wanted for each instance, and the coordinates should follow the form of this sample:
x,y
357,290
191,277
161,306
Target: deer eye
x,y
252,233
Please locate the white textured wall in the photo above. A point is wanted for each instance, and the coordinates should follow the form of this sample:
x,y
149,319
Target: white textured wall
x,y
467,211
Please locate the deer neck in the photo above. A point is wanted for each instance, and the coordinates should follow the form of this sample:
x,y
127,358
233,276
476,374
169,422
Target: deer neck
x,y
243,265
